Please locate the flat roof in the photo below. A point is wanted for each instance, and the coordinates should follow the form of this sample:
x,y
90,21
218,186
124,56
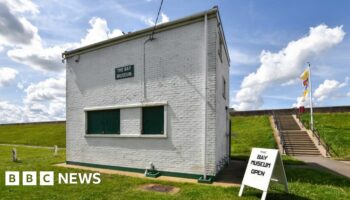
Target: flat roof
x,y
214,12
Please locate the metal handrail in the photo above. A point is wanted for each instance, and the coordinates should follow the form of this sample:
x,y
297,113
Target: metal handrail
x,y
278,127
325,145
316,134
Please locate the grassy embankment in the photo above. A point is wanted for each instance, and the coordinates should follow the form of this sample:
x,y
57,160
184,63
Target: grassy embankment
x,y
34,134
334,129
253,131
303,183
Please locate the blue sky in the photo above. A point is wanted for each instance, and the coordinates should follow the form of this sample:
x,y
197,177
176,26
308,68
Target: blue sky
x,y
269,43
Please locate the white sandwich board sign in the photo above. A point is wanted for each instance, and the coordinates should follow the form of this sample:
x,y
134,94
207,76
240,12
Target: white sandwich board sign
x,y
263,166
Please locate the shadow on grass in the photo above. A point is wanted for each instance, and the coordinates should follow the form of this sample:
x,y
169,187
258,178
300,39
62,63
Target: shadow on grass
x,y
284,196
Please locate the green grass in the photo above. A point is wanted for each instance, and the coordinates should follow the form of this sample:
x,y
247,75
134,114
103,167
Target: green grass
x,y
34,134
248,132
303,183
334,129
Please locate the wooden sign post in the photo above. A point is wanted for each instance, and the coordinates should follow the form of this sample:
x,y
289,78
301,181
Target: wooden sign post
x,y
263,166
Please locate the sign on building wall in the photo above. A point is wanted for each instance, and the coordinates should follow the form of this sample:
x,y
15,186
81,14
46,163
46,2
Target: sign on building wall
x,y
124,72
263,166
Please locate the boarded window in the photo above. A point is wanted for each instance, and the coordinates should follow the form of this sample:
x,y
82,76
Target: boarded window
x,y
153,120
103,122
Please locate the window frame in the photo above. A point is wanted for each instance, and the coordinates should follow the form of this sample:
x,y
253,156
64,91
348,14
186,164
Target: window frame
x,y
132,105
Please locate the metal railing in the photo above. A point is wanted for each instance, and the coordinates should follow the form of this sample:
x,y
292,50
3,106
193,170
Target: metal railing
x,y
280,134
315,133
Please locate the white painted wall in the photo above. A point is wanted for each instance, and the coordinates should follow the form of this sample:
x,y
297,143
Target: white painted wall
x,y
222,115
174,73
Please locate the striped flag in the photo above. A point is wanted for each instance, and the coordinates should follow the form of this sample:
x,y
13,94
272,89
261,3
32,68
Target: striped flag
x,y
305,78
306,82
305,75
305,92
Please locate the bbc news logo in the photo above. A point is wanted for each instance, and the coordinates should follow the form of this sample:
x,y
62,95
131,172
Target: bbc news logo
x,y
47,178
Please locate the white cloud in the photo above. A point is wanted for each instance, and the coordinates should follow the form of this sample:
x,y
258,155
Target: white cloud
x,y
10,113
39,58
99,31
46,100
16,30
302,101
240,62
240,58
330,89
49,59
20,85
27,48
132,14
19,34
49,89
21,6
285,65
164,18
291,82
151,22
7,75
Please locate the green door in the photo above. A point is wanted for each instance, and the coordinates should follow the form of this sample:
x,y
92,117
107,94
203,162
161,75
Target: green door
x,y
153,120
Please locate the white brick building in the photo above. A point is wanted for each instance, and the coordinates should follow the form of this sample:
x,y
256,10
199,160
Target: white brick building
x,y
132,101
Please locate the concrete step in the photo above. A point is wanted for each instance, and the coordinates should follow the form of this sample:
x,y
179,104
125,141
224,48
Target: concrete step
x,y
297,139
305,149
297,142
302,154
295,132
299,145
289,128
296,136
291,140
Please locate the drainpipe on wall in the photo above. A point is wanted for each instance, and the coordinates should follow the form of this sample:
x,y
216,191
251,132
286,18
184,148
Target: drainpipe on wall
x,y
205,64
144,68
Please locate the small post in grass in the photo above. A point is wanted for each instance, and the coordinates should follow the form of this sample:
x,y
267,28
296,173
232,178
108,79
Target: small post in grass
x,y
55,148
14,155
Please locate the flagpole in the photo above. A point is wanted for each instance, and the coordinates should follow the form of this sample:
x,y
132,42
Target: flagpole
x,y
311,110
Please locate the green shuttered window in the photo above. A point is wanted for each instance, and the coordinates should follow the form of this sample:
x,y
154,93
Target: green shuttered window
x,y
103,122
153,120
